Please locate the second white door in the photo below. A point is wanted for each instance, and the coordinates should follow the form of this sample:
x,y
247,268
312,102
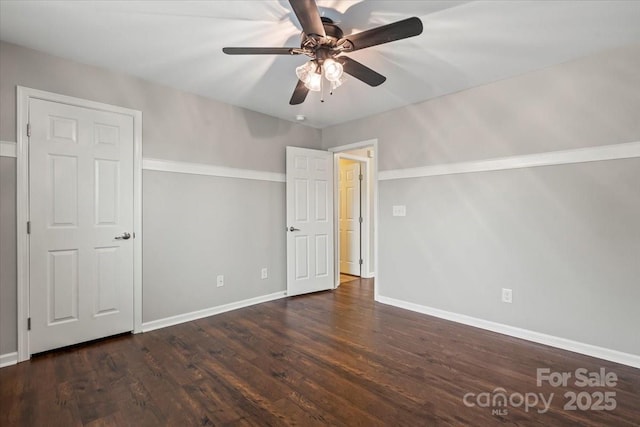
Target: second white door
x,y
350,216
309,221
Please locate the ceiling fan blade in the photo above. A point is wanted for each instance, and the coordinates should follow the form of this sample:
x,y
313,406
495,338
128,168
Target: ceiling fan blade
x,y
259,51
387,33
309,17
299,93
361,72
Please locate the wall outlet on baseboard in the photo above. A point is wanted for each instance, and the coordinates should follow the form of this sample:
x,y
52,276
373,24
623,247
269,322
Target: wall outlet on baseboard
x,y
264,273
220,280
507,295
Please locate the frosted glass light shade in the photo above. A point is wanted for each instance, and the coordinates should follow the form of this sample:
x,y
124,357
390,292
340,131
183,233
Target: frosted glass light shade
x,y
305,70
332,69
337,83
314,82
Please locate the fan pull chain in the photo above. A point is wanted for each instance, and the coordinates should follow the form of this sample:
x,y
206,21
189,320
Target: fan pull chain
x,y
321,85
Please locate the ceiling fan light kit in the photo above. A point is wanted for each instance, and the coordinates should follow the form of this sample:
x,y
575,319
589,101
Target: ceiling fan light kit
x,y
311,73
324,42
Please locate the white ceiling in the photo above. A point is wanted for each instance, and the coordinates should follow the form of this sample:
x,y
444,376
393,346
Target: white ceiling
x,y
179,44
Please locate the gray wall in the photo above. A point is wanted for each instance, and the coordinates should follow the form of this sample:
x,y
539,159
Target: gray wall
x,y
8,270
198,211
583,103
565,238
176,125
209,226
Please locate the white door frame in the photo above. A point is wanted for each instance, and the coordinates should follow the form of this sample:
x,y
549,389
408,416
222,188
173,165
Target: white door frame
x,y
373,179
365,210
24,95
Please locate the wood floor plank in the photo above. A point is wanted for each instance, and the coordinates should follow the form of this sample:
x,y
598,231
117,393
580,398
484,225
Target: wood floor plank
x,y
330,358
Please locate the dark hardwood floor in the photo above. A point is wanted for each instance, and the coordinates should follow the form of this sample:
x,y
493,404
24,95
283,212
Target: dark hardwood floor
x,y
332,358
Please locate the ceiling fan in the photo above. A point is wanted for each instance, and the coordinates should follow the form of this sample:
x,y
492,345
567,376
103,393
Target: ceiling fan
x,y
324,42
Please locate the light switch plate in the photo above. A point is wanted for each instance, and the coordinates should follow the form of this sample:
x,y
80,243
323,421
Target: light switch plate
x,y
399,210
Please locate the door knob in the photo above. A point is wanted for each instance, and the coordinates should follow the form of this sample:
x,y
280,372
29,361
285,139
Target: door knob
x,y
293,229
125,236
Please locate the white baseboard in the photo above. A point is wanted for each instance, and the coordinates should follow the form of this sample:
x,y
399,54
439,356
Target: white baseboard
x,y
194,315
525,334
8,359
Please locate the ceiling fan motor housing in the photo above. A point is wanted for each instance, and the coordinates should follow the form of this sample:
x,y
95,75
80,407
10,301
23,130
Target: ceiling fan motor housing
x,y
332,30
323,45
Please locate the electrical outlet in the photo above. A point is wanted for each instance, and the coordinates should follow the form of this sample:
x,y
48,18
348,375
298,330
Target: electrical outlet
x,y
507,295
220,280
264,273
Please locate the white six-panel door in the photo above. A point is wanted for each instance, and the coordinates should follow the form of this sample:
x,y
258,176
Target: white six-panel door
x,y
81,207
309,220
349,216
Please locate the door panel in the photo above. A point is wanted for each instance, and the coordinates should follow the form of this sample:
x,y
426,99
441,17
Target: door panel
x,y
309,212
349,216
322,252
301,200
63,193
107,186
81,198
106,300
62,286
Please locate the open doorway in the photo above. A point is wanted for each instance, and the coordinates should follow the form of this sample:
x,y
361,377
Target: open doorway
x,y
351,211
355,219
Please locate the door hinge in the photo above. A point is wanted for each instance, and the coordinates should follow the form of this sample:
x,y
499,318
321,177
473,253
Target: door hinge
x,y
360,219
360,177
28,227
29,129
28,323
360,261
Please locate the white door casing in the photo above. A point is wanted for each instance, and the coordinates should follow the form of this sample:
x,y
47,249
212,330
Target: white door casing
x,y
310,250
369,209
81,197
350,216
